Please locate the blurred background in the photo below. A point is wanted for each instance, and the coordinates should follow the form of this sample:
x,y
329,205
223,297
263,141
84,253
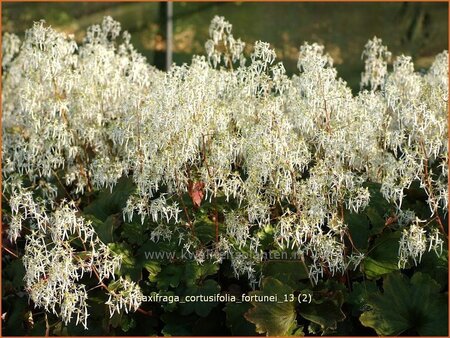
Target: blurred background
x,y
419,29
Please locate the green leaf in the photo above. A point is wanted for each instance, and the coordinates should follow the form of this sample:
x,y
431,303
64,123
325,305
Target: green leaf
x,y
104,229
273,318
170,276
411,307
201,308
359,228
299,332
377,208
162,252
177,324
265,235
435,265
108,203
291,272
205,229
325,312
238,325
376,197
14,272
358,298
371,220
376,220
383,256
115,320
153,268
130,266
127,323
133,232
168,306
195,272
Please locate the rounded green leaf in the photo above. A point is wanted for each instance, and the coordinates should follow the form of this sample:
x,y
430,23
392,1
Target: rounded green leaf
x,y
236,321
273,318
412,307
383,256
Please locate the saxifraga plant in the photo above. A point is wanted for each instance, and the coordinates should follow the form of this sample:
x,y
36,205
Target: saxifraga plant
x,y
291,154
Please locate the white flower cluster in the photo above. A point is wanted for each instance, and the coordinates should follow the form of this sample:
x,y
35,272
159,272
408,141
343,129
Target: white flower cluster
x,y
292,152
23,206
377,58
414,242
54,266
124,295
156,208
222,46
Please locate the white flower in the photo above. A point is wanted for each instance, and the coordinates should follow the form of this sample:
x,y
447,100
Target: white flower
x,y
413,243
